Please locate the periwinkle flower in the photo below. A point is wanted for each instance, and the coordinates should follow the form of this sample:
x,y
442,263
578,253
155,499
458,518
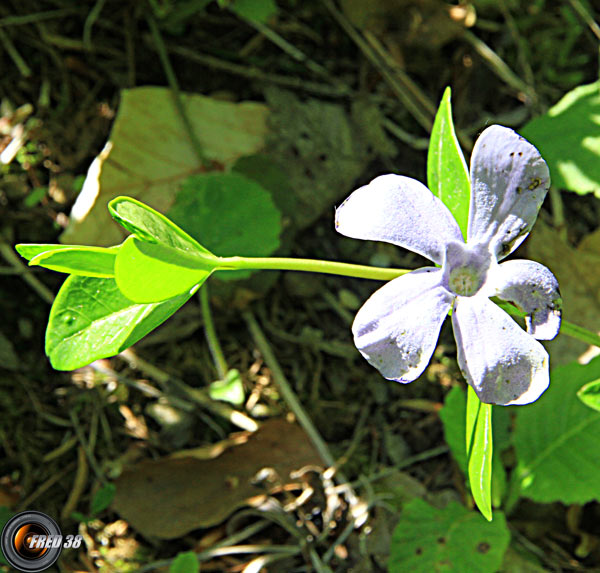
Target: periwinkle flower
x,y
397,329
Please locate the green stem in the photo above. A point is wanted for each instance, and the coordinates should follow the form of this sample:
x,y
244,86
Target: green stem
x,y
566,327
211,335
309,265
174,85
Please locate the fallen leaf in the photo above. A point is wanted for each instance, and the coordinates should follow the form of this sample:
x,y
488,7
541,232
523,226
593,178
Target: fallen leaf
x,y
578,274
149,155
169,497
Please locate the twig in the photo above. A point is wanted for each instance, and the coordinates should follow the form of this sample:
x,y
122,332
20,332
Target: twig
x,y
253,73
499,66
79,484
36,17
12,51
13,259
286,390
89,22
585,15
84,444
406,90
198,396
174,85
289,49
211,335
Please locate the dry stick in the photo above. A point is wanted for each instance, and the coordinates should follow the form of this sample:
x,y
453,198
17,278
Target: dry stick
x,y
298,410
254,73
14,54
227,542
286,390
199,397
289,49
585,15
93,15
12,258
174,85
499,66
79,483
407,91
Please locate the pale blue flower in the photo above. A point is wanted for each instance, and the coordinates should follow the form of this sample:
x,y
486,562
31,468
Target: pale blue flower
x,y
397,329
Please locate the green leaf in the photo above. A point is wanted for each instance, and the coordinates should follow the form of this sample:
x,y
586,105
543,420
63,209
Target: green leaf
x,y
480,461
449,539
569,140
557,440
487,476
152,226
230,389
259,10
103,498
152,272
72,259
186,562
230,214
447,173
453,416
472,413
589,394
91,319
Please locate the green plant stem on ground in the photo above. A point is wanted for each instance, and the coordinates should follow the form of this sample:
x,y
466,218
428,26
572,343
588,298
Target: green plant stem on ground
x,y
211,335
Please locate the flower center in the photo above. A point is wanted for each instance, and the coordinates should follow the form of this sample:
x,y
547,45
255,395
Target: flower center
x,y
466,268
464,281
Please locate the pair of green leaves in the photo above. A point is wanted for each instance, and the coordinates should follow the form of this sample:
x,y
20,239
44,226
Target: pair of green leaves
x,y
448,179
117,295
157,262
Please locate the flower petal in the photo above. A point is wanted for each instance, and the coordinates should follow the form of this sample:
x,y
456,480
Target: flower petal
x,y
502,363
397,329
534,289
509,180
401,211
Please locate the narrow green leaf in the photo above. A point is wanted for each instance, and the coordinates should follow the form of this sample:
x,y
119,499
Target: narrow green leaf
x,y
447,173
91,319
480,461
453,416
589,394
31,250
186,562
473,405
76,260
150,225
152,272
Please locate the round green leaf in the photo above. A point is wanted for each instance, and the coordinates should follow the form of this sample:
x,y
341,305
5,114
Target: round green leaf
x,y
568,138
228,213
449,539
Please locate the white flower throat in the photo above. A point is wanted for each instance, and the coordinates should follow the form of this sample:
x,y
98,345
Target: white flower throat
x,y
466,268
